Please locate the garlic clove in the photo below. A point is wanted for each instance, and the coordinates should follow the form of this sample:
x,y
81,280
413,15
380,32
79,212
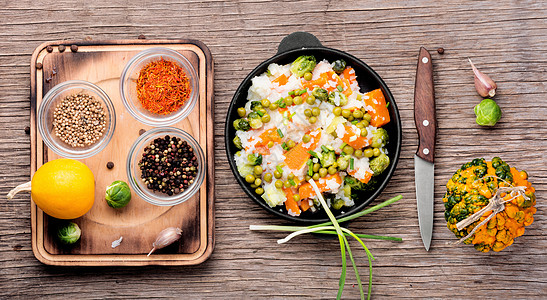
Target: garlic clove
x,y
165,238
484,85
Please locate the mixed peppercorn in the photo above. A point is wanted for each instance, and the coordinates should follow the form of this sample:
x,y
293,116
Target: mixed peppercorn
x,y
169,165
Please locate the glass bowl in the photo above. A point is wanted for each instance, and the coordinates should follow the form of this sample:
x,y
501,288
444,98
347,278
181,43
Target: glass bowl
x,y
46,118
134,172
128,87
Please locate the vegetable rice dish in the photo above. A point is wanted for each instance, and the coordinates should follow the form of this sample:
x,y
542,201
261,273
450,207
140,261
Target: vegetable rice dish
x,y
309,120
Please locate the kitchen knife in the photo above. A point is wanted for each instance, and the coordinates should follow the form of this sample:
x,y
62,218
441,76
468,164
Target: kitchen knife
x,y
424,117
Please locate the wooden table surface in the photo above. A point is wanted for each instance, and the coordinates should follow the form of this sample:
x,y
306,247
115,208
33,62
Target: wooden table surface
x,y
505,39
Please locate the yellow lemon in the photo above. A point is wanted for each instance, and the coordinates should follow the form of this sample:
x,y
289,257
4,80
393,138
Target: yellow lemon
x,y
62,188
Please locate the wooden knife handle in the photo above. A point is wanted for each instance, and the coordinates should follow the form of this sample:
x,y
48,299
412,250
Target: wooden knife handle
x,y
424,107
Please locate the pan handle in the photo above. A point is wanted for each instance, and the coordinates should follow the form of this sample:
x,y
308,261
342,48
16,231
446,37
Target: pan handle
x,y
298,40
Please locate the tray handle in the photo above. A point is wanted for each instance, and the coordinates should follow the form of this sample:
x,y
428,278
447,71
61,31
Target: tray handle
x,y
298,40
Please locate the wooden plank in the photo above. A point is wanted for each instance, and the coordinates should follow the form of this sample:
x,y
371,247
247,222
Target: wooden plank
x,y
139,222
506,39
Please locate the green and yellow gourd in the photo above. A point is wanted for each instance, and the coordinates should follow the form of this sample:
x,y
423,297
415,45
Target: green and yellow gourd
x,y
472,187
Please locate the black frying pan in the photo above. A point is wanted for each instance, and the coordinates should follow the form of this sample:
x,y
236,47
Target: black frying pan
x,y
291,47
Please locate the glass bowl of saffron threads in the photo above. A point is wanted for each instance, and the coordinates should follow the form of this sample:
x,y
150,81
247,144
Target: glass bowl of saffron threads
x,y
159,87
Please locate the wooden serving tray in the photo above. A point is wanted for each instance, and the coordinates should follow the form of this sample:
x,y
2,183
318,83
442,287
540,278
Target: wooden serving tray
x,y
102,62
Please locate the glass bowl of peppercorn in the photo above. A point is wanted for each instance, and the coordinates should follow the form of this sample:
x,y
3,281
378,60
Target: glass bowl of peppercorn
x,y
165,166
76,119
159,87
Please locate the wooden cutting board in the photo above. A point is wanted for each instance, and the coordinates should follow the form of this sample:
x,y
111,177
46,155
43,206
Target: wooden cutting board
x,y
102,62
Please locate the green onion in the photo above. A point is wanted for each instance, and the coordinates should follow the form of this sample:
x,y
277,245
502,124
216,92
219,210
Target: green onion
x,y
302,91
260,113
324,149
292,182
312,153
279,133
291,93
310,170
351,161
278,168
339,88
284,146
354,122
343,145
387,104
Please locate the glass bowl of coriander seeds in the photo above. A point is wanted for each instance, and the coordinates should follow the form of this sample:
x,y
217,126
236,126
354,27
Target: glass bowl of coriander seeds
x,y
76,119
159,87
165,166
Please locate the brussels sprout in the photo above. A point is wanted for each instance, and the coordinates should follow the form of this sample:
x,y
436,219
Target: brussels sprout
x,y
379,138
255,123
254,115
379,164
338,204
302,65
320,94
343,162
342,99
488,112
255,160
327,159
339,66
237,142
256,105
242,125
69,233
118,194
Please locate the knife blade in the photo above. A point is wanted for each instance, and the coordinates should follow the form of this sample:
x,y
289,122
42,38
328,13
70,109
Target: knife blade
x,y
426,124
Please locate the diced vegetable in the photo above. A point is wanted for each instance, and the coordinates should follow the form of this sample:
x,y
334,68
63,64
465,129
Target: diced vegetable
x,y
296,157
376,107
282,79
303,64
355,140
290,204
306,190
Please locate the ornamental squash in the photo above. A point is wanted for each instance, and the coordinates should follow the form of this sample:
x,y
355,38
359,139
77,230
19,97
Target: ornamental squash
x,y
478,184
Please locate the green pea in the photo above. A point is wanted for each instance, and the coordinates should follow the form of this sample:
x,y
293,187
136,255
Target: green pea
x,y
250,178
323,172
259,191
348,149
364,122
273,106
291,144
315,111
296,197
310,100
288,101
241,112
358,153
307,112
337,111
364,132
368,152
351,118
270,144
268,177
357,114
263,111
278,184
376,152
367,117
266,118
290,176
332,170
346,113
258,182
277,174
258,170
359,125
312,120
308,177
287,184
316,167
306,138
254,186
308,76
335,164
376,143
316,176
363,110
297,100
265,102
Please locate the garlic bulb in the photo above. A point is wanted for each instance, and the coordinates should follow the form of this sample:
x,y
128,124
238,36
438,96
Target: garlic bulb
x,y
484,85
165,238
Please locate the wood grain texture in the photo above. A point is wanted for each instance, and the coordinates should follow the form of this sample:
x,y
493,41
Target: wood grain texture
x,y
424,107
139,223
505,39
